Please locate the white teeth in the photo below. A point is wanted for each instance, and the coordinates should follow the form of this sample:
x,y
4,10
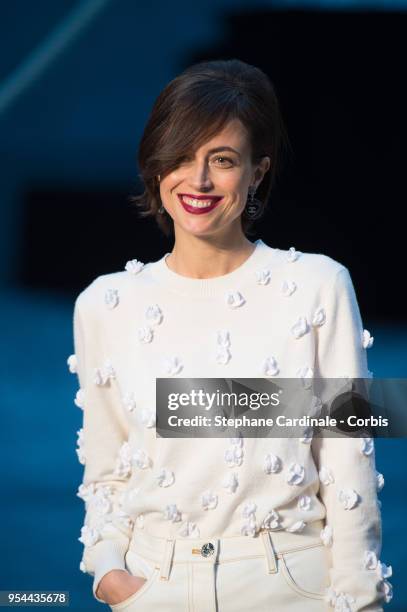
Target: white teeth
x,y
197,203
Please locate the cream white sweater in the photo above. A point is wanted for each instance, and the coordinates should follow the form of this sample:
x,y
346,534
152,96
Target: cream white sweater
x,y
282,313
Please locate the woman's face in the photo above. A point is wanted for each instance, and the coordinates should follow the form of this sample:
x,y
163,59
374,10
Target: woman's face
x,y
207,193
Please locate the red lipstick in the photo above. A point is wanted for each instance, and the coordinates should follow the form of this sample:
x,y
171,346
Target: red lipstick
x,y
212,202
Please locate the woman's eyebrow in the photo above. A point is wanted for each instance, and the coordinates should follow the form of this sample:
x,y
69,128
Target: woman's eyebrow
x,y
225,148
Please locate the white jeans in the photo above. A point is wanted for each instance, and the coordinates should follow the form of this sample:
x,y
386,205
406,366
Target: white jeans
x,y
275,571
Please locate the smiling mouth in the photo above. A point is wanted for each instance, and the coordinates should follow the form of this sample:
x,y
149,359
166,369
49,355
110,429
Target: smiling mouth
x,y
200,204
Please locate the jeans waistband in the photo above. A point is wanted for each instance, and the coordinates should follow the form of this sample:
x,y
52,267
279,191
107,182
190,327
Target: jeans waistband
x,y
166,551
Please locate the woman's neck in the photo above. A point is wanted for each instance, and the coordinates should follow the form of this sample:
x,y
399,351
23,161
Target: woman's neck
x,y
206,258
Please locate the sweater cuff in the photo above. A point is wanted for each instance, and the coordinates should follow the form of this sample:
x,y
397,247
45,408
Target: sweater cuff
x,y
358,590
107,555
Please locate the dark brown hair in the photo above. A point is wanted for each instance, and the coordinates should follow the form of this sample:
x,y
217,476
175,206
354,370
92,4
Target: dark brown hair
x,y
195,106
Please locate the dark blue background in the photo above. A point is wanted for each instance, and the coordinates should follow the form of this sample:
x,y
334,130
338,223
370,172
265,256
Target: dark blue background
x,y
69,132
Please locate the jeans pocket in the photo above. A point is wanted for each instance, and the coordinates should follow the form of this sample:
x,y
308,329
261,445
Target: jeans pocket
x,y
306,570
138,566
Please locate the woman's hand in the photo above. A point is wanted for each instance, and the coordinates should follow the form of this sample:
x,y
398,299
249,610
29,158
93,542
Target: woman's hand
x,y
118,585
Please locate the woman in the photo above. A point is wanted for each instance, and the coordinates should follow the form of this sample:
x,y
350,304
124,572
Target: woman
x,y
235,523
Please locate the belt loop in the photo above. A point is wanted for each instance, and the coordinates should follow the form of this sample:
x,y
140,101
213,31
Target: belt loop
x,y
270,554
166,562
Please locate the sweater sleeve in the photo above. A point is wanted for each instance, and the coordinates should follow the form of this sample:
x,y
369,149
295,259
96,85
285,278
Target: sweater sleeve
x,y
346,465
107,529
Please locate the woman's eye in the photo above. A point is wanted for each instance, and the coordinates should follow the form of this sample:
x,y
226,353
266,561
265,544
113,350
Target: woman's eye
x,y
224,160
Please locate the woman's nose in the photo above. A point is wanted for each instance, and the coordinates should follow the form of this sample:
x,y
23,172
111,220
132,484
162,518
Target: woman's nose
x,y
199,177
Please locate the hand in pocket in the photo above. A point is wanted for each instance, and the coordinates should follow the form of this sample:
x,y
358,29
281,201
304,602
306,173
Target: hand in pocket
x,y
118,585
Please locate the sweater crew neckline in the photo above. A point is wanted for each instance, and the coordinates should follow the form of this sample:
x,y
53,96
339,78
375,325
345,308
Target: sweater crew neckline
x,y
208,287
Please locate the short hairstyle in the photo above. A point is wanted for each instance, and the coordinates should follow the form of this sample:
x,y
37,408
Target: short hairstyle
x,y
191,109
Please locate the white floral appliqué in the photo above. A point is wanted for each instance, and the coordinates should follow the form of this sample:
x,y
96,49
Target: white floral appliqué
x,y
72,364
79,399
80,450
370,560
308,433
209,500
165,477
307,374
89,535
223,337
111,298
271,520
223,354
172,365
300,328
234,299
272,463
304,503
148,417
263,276
387,590
293,255
367,339
288,287
154,314
140,459
171,513
123,461
234,455
100,503
129,401
316,405
326,476
103,375
270,366
296,473
85,492
342,602
145,334
248,509
319,317
230,482
366,445
326,535
379,481
348,498
134,266
249,527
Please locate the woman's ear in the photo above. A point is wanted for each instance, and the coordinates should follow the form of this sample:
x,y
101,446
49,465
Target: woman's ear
x,y
261,169
265,164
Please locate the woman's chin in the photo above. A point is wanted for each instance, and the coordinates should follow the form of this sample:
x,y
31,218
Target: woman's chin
x,y
200,227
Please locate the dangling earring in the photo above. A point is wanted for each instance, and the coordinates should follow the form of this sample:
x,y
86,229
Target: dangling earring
x,y
253,205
